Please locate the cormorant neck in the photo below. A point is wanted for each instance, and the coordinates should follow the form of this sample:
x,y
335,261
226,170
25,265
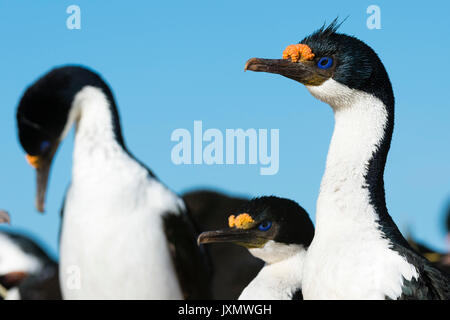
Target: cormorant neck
x,y
98,134
281,277
290,269
94,110
353,185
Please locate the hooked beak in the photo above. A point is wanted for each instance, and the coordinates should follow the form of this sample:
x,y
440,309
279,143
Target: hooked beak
x,y
245,238
42,165
303,72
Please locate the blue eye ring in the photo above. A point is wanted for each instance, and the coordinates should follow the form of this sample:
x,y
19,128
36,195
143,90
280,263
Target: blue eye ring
x,y
44,145
265,225
325,62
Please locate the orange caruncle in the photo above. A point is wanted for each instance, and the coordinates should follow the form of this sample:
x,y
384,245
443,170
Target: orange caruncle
x,y
298,52
242,221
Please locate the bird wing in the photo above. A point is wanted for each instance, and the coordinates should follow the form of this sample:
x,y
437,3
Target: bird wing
x,y
190,260
432,283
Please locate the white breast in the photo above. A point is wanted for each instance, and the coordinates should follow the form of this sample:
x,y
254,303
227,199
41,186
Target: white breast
x,y
346,262
277,280
112,244
113,238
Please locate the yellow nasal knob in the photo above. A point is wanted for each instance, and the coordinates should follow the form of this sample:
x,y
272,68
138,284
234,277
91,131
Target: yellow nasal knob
x,y
34,161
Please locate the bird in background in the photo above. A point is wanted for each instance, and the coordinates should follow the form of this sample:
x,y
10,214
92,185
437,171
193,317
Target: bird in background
x,y
27,272
277,231
124,234
233,266
357,251
439,259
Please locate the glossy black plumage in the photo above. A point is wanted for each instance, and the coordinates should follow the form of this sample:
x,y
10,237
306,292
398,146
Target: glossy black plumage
x,y
359,67
44,108
295,226
432,283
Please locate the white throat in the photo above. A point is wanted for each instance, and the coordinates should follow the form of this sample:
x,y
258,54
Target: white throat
x,y
360,121
281,277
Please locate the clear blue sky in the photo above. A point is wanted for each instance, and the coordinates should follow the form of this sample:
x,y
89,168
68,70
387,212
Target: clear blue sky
x,y
170,63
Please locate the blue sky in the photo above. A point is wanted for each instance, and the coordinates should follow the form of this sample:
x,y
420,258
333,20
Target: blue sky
x,y
170,63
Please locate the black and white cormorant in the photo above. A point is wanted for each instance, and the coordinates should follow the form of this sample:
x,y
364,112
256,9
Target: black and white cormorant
x,y
278,231
358,251
124,234
27,272
233,267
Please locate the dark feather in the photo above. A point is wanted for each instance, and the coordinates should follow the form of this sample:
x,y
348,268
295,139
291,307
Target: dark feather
x,y
432,283
297,295
190,260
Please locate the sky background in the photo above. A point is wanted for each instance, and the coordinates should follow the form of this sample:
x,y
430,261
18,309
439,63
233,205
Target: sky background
x,y
170,63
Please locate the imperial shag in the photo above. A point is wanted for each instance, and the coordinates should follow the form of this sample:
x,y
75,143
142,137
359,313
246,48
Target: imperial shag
x,y
278,231
358,251
233,267
124,234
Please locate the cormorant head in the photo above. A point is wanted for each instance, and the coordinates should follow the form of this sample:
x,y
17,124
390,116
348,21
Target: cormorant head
x,y
271,228
328,63
44,117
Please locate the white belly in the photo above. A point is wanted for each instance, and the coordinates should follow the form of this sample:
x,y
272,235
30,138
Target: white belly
x,y
115,249
352,267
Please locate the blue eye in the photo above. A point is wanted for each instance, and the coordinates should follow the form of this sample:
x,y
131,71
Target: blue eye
x,y
325,63
44,146
265,225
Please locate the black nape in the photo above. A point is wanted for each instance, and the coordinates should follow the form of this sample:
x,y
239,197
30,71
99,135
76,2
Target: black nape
x,y
44,108
295,226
